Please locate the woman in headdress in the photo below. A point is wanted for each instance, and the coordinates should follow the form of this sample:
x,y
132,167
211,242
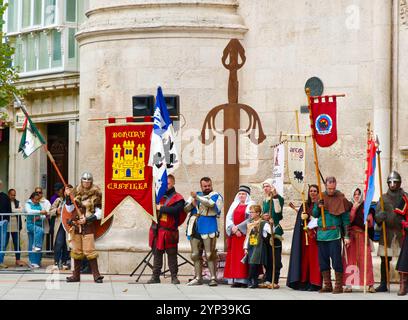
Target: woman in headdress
x,y
353,259
235,271
304,271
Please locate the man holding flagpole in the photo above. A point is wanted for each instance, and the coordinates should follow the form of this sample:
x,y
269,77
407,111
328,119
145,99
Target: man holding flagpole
x,y
391,199
163,235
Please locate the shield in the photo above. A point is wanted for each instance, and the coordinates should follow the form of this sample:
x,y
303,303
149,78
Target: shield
x,y
100,229
297,164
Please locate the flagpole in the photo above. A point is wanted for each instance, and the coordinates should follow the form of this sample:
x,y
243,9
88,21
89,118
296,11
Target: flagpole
x,y
383,223
315,156
50,157
303,191
366,221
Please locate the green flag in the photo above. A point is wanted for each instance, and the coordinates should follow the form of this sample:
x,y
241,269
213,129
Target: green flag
x,y
31,139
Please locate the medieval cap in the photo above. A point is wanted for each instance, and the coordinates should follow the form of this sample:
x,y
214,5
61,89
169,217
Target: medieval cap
x,y
268,181
245,189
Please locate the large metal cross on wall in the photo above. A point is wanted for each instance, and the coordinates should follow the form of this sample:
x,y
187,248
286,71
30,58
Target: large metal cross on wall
x,y
233,53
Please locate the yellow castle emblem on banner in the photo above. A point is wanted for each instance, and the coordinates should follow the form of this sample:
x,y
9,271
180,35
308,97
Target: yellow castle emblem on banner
x,y
129,166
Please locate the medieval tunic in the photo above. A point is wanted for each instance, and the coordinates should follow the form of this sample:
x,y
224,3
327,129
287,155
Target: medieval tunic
x,y
274,206
392,223
165,234
402,264
355,251
234,268
304,259
82,238
336,210
402,211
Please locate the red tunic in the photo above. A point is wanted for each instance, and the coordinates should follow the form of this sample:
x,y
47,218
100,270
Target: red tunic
x,y
167,229
310,271
234,268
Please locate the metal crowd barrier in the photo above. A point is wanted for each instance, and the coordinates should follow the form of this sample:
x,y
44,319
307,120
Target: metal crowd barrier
x,y
23,216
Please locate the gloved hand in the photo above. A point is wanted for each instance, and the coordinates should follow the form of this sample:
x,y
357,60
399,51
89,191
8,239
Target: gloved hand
x,y
381,216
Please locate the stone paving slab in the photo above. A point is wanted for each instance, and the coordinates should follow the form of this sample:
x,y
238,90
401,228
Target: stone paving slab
x,y
40,285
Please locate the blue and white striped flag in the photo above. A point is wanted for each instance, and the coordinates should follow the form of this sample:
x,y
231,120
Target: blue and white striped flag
x,y
163,154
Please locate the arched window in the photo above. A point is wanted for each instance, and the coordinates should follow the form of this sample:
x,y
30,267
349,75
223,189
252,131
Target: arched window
x,y
140,155
116,155
128,173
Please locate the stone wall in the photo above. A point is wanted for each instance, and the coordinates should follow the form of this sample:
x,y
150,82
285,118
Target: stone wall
x,y
130,47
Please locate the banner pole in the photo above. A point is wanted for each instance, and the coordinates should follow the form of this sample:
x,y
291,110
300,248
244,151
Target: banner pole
x,y
303,191
383,223
315,156
366,222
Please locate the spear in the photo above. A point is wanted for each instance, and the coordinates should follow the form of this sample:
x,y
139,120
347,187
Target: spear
x,y
382,210
50,157
316,159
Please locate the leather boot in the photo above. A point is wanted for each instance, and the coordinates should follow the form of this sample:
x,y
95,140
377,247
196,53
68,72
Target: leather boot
x,y
327,284
173,265
383,284
76,274
338,286
93,264
212,268
403,284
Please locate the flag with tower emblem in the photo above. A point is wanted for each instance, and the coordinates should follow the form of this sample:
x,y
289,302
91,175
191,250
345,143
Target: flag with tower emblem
x,y
127,174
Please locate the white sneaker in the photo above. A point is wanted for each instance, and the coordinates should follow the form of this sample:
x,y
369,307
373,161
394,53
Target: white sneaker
x,y
195,282
37,249
33,265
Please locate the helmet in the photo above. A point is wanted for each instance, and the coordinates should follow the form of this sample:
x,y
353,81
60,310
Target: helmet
x,y
87,177
394,177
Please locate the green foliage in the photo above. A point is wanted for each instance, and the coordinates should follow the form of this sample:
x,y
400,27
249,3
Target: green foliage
x,y
8,74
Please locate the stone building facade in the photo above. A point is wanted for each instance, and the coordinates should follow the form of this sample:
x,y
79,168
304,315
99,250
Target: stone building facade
x,y
128,47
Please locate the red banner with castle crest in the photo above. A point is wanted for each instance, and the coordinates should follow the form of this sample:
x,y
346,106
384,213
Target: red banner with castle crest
x,y
324,115
127,174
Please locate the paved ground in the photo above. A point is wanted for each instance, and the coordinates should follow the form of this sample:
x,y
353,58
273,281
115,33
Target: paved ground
x,y
40,285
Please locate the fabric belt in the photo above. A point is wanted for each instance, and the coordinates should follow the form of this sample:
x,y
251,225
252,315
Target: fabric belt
x,y
168,229
328,228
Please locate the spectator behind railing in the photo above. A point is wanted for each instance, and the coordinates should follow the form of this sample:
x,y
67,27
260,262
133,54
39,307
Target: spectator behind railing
x,y
14,226
45,205
5,207
35,229
61,255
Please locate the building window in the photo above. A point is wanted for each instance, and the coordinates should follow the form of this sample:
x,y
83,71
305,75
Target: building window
x,y
26,13
49,12
128,173
140,155
56,49
70,10
43,34
12,16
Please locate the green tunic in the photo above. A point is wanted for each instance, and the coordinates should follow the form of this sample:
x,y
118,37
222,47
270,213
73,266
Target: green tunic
x,y
257,253
334,224
276,216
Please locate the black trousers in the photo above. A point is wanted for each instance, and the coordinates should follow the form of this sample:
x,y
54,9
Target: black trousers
x,y
60,247
253,273
158,261
384,270
330,250
269,261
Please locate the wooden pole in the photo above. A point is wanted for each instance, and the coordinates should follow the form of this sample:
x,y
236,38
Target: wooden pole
x,y
315,156
52,160
122,118
303,191
383,223
366,222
